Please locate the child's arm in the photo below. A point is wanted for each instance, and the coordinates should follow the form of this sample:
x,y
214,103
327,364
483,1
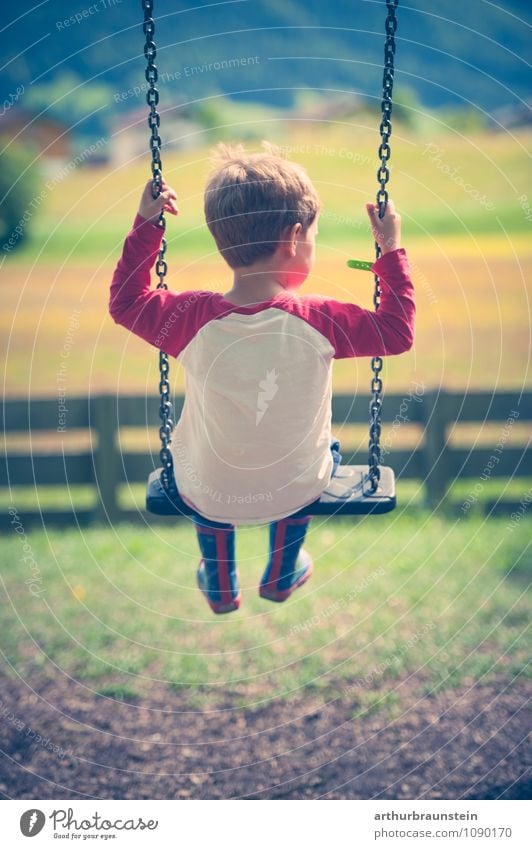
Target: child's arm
x,y
356,332
163,318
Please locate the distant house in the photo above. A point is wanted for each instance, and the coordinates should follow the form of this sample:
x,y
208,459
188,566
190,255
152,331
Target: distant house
x,y
57,150
49,137
130,133
330,108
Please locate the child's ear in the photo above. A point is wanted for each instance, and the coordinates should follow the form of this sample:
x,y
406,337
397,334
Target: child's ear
x,y
295,232
289,236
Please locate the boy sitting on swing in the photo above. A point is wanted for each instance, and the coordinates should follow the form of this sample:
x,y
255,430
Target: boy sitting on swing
x,y
253,444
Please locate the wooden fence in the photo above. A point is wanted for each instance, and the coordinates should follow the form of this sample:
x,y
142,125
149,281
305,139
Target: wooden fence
x,y
105,467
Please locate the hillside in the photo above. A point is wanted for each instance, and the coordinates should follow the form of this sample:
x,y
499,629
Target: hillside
x,y
467,53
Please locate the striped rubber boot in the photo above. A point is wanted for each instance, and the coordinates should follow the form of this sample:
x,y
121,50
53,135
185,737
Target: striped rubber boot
x,y
217,573
289,565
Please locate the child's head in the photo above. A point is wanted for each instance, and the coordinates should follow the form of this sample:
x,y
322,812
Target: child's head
x,y
260,208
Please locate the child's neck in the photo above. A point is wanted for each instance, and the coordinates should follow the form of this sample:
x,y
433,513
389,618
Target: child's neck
x,y
252,288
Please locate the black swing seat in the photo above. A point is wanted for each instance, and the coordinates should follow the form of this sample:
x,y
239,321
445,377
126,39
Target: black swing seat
x,y
347,495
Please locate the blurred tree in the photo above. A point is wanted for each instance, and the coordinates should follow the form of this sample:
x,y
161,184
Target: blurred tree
x,y
71,100
464,119
407,108
20,197
210,115
226,119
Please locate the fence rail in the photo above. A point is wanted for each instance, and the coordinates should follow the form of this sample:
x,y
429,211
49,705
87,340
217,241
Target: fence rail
x,y
105,466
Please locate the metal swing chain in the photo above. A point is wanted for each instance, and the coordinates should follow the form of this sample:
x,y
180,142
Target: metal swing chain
x,y
383,175
161,267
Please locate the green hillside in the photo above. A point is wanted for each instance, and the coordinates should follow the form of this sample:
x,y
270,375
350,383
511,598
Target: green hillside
x,y
459,53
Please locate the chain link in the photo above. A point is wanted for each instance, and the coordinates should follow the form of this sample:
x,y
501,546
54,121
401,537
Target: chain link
x,y
383,175
161,267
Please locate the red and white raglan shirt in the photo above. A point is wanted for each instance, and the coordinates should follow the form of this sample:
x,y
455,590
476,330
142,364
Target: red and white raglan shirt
x,y
252,444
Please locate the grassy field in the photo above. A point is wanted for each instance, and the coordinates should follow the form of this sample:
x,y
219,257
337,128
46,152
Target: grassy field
x,y
444,185
417,595
467,240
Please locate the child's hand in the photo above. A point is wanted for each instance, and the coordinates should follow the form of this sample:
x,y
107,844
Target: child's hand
x,y
387,230
150,209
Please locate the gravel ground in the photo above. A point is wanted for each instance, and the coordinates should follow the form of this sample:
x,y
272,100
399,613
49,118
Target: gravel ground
x,y
468,743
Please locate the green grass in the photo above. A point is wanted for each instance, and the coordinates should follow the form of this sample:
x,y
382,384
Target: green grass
x,y
411,594
462,184
75,241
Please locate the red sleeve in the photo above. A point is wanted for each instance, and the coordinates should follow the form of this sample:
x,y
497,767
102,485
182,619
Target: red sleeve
x,y
357,332
163,318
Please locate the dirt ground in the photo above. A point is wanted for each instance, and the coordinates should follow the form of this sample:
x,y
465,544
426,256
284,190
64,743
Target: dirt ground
x,y
470,743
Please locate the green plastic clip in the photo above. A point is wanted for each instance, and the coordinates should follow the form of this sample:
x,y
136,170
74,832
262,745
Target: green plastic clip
x,y
361,264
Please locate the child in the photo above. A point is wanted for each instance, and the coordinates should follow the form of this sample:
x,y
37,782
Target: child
x,y
253,443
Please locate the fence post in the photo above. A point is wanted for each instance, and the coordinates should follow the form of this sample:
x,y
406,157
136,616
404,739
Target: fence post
x,y
434,449
103,416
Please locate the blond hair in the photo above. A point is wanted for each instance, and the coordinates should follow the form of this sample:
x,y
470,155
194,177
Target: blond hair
x,y
252,198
